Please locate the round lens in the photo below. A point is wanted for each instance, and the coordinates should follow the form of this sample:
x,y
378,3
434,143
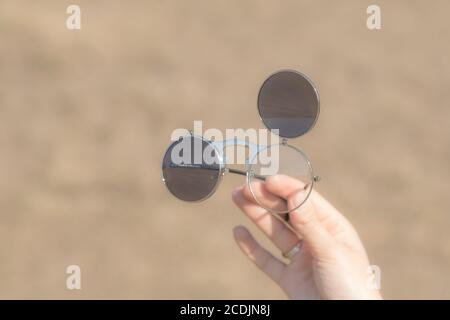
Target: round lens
x,y
276,169
191,168
289,102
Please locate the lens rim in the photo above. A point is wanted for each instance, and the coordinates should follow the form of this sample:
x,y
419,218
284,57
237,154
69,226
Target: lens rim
x,y
221,167
311,173
316,91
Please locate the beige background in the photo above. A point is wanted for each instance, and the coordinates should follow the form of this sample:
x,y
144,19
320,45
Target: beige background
x,y
85,117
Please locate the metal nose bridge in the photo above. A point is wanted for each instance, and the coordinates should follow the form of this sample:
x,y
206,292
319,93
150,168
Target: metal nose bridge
x,y
252,147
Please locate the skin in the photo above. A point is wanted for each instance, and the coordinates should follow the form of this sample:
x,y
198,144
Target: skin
x,y
332,262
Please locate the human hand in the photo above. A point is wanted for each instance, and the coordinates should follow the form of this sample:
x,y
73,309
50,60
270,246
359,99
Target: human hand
x,y
332,262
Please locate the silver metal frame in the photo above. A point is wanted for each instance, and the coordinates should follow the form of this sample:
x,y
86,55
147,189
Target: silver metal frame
x,y
285,140
311,174
255,149
219,147
221,169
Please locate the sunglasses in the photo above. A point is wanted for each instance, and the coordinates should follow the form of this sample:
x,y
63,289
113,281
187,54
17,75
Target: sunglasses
x,y
288,105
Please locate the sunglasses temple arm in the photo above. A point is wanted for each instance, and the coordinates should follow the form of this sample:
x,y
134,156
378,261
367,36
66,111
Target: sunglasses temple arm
x,y
244,173
257,176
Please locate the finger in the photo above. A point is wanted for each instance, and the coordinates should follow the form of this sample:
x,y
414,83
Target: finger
x,y
283,238
303,219
335,222
326,210
328,216
284,186
270,265
265,198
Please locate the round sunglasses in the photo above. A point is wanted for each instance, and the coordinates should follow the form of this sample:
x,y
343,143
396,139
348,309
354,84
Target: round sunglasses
x,y
288,105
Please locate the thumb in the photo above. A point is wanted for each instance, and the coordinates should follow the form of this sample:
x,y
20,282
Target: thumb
x,y
304,219
305,222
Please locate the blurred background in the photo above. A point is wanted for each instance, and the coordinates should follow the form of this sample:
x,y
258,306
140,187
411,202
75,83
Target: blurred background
x,y
85,117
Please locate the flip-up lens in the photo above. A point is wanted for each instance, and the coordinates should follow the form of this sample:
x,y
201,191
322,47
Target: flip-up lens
x,y
289,102
191,169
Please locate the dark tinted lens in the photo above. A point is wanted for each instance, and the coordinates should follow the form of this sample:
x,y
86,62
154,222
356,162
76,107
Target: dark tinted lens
x,y
188,175
289,102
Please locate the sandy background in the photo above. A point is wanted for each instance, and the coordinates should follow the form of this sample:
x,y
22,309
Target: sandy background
x,y
85,118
